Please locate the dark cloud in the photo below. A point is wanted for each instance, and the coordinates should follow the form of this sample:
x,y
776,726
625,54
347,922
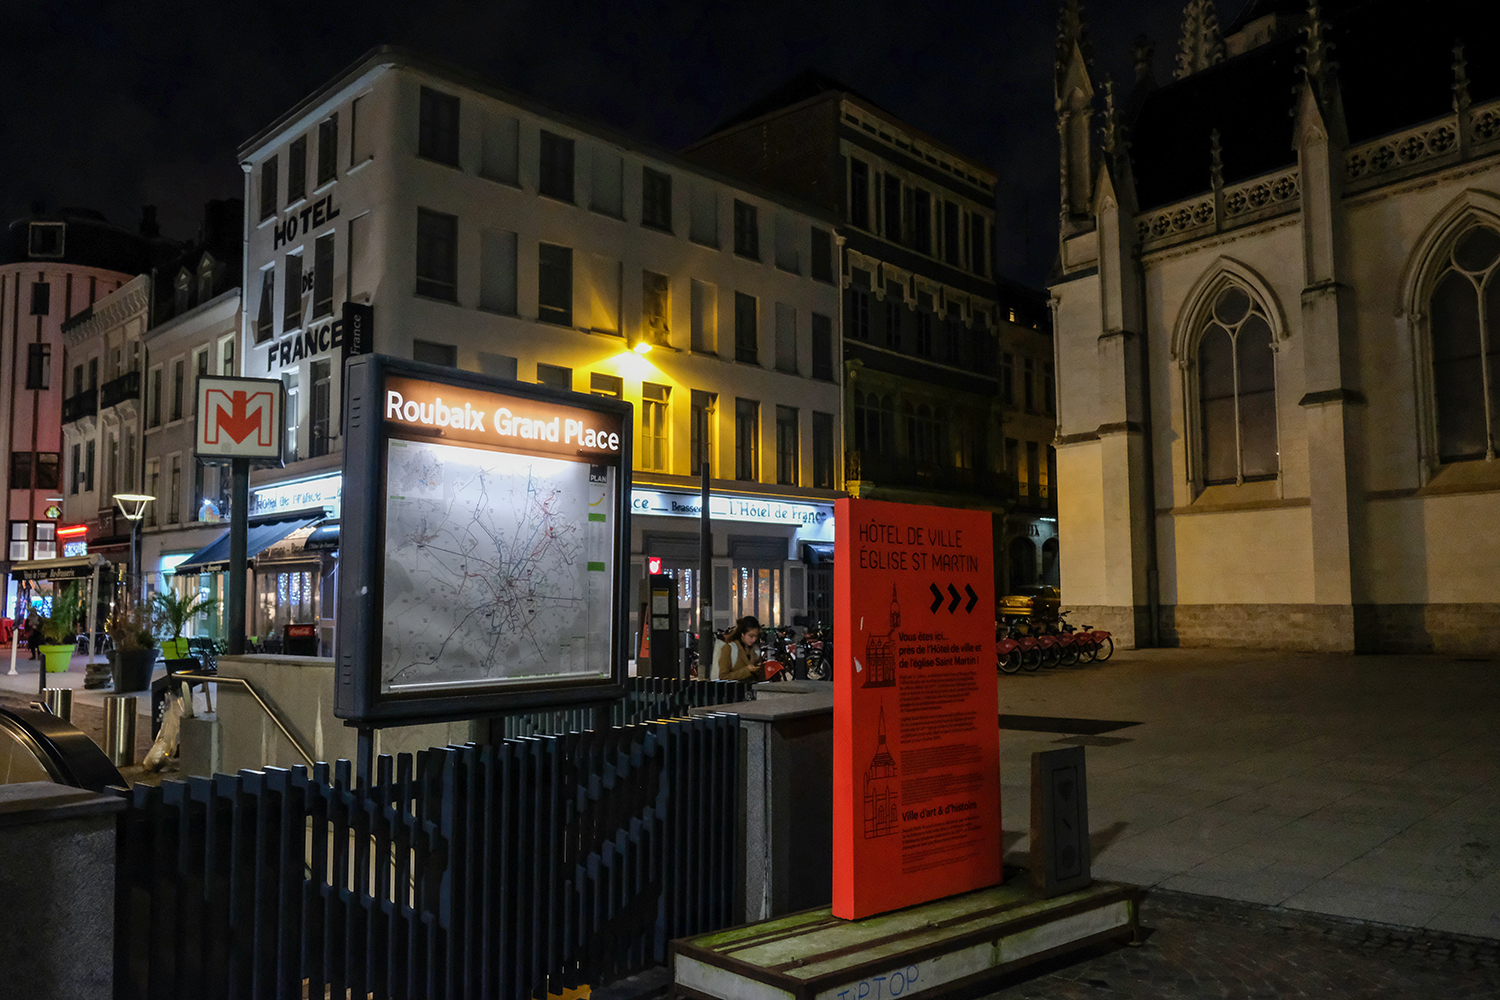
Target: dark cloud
x,y
112,105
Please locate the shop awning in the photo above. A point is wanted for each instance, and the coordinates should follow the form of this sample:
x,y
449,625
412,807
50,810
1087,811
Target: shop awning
x,y
260,537
324,538
70,568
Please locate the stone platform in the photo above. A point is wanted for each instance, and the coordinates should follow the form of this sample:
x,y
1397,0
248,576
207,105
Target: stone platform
x,y
937,946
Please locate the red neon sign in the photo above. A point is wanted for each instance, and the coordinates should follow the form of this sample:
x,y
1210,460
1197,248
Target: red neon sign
x,y
72,531
653,565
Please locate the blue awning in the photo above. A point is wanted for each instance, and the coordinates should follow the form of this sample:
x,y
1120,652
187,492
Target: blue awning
x,y
324,538
215,555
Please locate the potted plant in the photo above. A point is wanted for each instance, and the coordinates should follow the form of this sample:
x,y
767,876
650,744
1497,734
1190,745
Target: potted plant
x,y
59,630
174,611
132,630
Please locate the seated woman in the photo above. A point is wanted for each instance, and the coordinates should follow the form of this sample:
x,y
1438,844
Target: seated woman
x,y
738,658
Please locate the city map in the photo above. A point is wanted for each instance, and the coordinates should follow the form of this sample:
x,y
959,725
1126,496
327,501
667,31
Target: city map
x,y
498,567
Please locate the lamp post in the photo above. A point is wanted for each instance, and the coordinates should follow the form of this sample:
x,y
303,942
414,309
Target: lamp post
x,y
133,506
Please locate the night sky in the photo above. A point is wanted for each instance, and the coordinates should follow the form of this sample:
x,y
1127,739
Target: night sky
x,y
111,105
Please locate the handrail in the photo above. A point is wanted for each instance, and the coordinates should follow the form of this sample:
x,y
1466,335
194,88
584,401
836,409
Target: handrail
x,y
217,679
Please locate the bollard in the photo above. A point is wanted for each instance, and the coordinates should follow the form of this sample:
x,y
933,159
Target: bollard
x,y
119,729
59,702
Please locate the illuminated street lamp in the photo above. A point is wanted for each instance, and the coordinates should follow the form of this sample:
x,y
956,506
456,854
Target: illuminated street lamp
x,y
133,506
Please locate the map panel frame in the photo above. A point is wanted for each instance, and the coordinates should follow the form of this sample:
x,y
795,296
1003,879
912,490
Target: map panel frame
x,y
481,414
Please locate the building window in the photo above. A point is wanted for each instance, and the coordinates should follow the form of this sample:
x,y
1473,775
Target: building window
x,y
93,374
437,127
322,405
607,192
174,494
1236,391
859,310
49,470
1028,384
46,239
38,366
705,409
703,220
291,379
76,465
153,488
291,295
265,320
746,230
1466,347
268,188
822,347
874,424
656,199
1049,389
226,356
822,255
296,170
952,234
924,324
432,353
437,255
654,427
786,445
611,386
20,470
746,347
323,276
952,335
1008,378
556,176
498,365
183,292
859,194
892,209
978,245
895,308
655,305
555,376
822,442
786,338
497,271
89,456
20,541
41,298
179,384
153,403
328,149
46,540
746,439
705,317
555,284
361,145
922,221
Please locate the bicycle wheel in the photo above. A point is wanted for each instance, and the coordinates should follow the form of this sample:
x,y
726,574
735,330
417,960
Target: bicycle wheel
x,y
1087,649
1030,658
1106,649
1051,656
1068,655
1010,662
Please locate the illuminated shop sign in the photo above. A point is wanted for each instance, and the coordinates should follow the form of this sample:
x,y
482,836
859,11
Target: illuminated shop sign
x,y
725,508
325,492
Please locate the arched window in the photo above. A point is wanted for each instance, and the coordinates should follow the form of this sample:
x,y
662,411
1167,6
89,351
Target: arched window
x,y
1236,391
1466,347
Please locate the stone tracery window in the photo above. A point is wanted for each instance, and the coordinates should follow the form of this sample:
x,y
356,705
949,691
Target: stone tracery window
x,y
1466,347
1236,391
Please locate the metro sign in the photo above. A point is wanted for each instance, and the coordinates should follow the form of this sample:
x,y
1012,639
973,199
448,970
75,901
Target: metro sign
x,y
239,417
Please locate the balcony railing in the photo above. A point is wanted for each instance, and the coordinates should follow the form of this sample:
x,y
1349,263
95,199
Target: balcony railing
x,y
85,404
117,390
887,470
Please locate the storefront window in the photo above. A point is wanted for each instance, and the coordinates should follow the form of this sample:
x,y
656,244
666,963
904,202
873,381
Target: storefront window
x,y
756,590
284,597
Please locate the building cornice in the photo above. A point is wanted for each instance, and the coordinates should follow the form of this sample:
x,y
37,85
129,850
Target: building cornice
x,y
130,299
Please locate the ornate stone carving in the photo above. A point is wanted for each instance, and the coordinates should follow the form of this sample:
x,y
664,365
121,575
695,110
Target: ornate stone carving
x,y
1202,43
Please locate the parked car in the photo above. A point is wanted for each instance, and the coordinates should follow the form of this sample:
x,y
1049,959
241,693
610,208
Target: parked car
x,y
1037,599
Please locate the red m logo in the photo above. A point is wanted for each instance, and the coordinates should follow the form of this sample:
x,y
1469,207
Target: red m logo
x,y
240,414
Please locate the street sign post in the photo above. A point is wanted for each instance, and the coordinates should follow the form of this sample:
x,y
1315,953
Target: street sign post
x,y
240,419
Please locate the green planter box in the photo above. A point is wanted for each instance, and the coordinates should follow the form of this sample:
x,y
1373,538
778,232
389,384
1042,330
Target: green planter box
x,y
57,658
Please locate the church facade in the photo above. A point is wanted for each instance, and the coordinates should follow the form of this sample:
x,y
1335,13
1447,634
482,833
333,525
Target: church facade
x,y
1277,315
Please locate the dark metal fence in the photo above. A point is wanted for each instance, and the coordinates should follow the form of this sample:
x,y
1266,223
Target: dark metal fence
x,y
481,871
646,698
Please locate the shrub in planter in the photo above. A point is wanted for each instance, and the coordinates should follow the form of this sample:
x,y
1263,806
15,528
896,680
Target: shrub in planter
x,y
173,612
59,630
132,628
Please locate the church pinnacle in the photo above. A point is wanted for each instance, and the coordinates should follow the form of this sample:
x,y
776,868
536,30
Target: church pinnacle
x,y
1202,43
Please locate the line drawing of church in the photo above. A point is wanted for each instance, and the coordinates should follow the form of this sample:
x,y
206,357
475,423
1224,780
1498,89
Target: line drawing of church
x,y
880,651
881,799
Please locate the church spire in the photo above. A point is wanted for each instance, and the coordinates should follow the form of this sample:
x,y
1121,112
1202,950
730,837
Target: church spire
x,y
1317,52
1073,103
1202,43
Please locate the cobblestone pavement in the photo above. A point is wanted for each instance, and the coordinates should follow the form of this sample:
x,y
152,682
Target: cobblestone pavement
x,y
1206,948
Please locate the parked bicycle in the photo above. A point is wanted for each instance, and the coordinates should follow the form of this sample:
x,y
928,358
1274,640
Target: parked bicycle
x,y
817,652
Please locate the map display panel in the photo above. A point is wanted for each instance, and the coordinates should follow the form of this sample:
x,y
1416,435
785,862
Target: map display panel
x,y
498,568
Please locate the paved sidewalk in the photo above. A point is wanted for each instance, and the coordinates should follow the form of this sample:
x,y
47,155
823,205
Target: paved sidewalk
x,y
1365,787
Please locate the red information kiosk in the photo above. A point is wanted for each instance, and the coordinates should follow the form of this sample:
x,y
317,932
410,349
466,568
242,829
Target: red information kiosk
x,y
916,767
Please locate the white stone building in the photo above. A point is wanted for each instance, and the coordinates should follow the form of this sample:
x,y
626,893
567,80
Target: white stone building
x,y
493,234
1279,336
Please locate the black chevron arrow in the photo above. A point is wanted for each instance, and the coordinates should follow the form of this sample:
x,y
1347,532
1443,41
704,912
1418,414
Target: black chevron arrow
x,y
937,597
954,606
973,599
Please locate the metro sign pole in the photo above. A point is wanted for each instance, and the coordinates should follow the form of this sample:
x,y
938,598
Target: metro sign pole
x,y
239,419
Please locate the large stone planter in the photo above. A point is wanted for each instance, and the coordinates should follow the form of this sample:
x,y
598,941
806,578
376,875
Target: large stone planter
x,y
57,658
132,669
